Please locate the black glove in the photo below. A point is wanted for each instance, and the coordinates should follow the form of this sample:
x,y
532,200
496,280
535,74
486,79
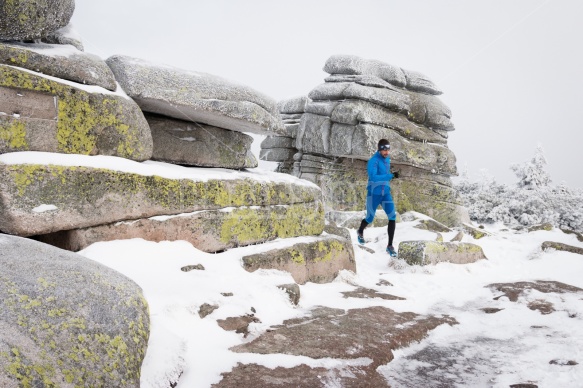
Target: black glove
x,y
396,174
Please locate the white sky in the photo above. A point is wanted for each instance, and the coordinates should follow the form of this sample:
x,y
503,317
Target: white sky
x,y
510,70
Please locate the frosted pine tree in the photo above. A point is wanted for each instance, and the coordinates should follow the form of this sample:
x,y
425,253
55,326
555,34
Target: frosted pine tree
x,y
532,174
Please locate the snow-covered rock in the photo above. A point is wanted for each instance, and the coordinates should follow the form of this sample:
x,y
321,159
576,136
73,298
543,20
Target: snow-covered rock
x,y
196,96
60,61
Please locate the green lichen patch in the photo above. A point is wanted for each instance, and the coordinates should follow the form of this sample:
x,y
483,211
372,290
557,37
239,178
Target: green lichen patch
x,y
87,123
12,135
246,226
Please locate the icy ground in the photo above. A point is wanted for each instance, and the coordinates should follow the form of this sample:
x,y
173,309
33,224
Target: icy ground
x,y
514,345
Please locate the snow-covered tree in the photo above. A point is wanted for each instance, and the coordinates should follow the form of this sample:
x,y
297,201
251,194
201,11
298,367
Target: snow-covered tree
x,y
532,174
532,201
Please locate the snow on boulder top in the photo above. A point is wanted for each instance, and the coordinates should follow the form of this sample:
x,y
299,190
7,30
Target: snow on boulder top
x,y
354,65
148,168
61,61
196,96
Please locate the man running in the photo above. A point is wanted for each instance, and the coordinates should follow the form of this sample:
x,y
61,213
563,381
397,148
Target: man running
x,y
379,192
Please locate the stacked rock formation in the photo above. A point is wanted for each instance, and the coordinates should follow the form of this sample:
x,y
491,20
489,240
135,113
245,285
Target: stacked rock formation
x,y
283,148
58,100
361,102
55,98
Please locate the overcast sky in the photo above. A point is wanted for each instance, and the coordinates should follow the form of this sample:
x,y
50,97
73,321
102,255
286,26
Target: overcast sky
x,y
511,70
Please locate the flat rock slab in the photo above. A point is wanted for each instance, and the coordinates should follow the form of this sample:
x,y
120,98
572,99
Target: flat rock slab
x,y
65,318
514,290
355,112
43,114
476,233
546,226
31,19
366,80
367,293
429,111
364,338
208,231
277,154
318,261
239,325
80,196
301,376
561,247
351,64
393,100
432,225
59,61
293,105
201,145
354,65
338,231
425,252
196,96
278,142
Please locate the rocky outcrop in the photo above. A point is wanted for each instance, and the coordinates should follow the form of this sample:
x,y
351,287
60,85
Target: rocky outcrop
x,y
196,96
515,290
207,230
79,197
338,231
476,233
349,337
318,261
341,121
367,293
432,225
561,247
278,149
66,319
521,292
282,149
433,252
32,19
201,145
65,62
293,292
52,115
